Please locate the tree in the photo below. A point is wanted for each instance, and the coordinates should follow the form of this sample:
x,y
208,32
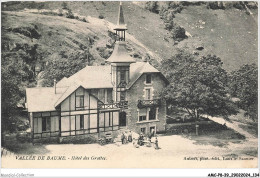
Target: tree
x,y
11,90
198,85
152,6
243,84
63,65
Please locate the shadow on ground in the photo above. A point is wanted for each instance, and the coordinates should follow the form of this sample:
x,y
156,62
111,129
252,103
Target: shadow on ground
x,y
26,148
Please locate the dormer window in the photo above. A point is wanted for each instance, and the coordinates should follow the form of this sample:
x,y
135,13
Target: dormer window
x,y
148,78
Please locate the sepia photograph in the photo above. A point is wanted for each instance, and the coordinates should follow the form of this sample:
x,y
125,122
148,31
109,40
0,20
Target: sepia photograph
x,y
129,84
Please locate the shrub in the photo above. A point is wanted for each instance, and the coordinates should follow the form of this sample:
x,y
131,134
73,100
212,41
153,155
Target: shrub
x,y
169,25
84,20
152,6
215,5
64,5
101,16
69,14
238,5
60,12
178,33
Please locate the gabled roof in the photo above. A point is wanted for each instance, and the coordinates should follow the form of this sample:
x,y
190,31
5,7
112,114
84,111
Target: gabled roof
x,y
90,77
67,93
63,82
138,69
41,99
44,99
120,54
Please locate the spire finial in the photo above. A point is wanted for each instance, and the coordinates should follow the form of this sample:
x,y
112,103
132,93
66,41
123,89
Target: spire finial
x,y
121,20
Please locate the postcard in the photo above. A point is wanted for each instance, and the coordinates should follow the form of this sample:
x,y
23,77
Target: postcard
x,y
147,84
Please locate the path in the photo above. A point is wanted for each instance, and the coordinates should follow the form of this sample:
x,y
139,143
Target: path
x,y
233,126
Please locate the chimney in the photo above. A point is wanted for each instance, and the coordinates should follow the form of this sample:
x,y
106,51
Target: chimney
x,y
55,86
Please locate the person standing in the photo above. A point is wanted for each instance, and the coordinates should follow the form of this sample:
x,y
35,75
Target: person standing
x,y
156,144
123,138
130,137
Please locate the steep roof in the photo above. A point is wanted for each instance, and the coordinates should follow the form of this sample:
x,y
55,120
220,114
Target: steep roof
x,y
120,54
44,99
64,95
41,99
139,68
90,77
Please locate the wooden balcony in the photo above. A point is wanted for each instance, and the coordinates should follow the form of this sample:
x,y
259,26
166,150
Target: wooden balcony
x,y
117,105
148,103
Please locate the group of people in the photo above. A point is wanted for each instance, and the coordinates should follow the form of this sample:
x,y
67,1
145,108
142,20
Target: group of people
x,y
141,137
141,142
126,137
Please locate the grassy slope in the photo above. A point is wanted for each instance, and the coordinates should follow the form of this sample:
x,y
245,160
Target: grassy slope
x,y
57,33
230,34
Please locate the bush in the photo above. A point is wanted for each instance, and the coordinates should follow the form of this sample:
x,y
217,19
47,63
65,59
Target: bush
x,y
60,12
238,5
178,33
152,6
215,5
64,5
84,20
101,16
69,14
169,25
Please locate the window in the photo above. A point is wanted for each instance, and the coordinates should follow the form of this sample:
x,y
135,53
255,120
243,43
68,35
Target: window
x,y
102,95
152,114
148,78
122,76
110,119
122,96
79,98
142,114
46,124
152,129
143,130
79,102
81,123
142,118
148,94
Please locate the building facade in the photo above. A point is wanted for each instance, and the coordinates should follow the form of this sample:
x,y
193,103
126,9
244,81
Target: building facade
x,y
123,94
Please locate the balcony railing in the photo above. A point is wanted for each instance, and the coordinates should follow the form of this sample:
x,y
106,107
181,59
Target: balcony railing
x,y
121,105
148,103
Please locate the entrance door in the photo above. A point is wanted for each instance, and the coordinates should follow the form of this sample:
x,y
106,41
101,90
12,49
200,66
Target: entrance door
x,y
122,119
152,129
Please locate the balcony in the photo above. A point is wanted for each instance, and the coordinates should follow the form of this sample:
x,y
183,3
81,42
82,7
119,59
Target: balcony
x,y
148,103
118,105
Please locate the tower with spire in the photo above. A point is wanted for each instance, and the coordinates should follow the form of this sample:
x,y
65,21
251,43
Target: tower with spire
x,y
120,60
